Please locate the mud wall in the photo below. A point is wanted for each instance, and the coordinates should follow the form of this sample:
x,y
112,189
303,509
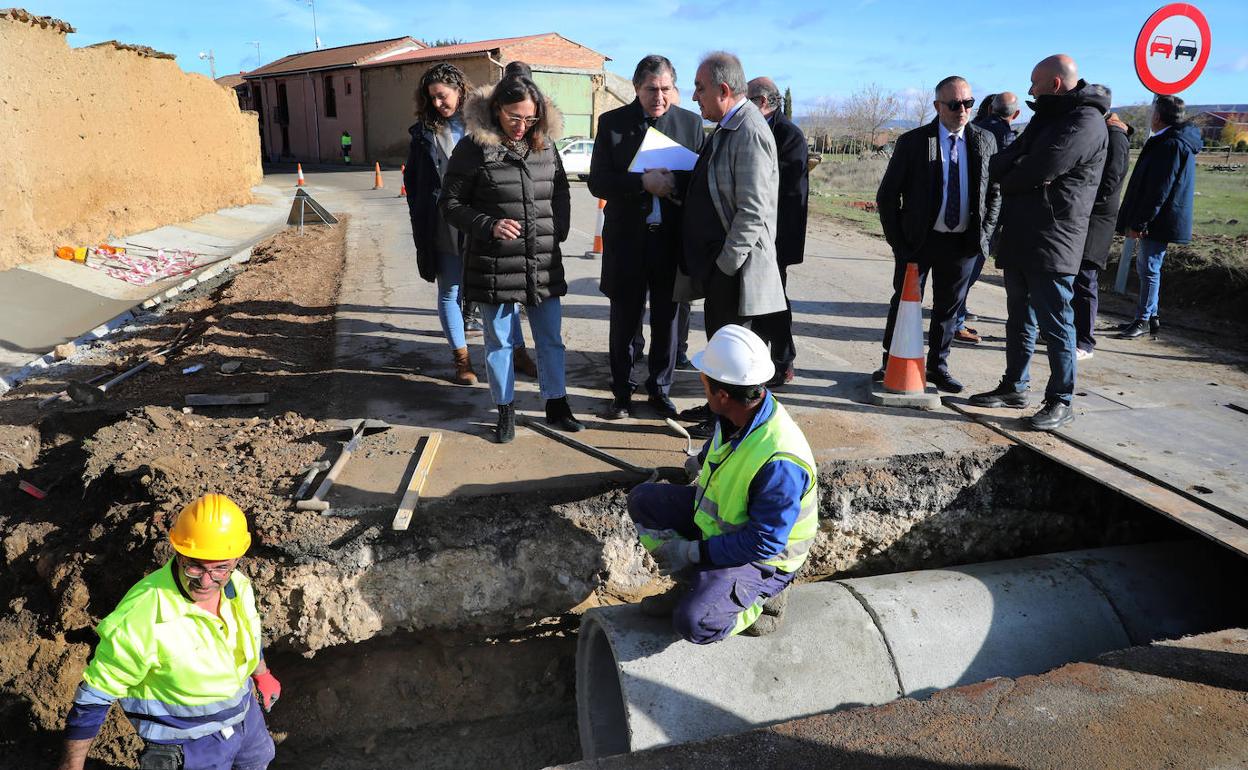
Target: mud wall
x,y
105,141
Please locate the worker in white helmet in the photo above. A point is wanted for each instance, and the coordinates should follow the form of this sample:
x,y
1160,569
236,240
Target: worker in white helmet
x,y
734,540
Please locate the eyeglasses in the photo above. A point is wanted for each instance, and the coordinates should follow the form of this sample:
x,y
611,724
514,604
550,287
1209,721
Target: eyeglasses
x,y
516,120
954,104
196,571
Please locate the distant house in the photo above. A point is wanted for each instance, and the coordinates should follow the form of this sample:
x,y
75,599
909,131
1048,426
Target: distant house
x,y
306,100
567,72
241,89
1213,122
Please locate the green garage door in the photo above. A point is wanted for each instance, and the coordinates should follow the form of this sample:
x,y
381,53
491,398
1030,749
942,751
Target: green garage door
x,y
573,95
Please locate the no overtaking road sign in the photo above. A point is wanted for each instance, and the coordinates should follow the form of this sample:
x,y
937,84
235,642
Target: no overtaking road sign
x,y
1172,49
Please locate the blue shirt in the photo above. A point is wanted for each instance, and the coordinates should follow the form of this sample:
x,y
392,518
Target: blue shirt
x,y
775,502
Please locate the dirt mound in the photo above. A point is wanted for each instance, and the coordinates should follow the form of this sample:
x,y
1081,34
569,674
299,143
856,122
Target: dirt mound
x,y
109,140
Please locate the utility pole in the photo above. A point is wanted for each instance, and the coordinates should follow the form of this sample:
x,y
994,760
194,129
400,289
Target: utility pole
x,y
212,62
316,38
256,43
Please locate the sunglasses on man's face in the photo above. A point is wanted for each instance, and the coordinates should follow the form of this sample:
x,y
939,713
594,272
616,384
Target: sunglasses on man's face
x,y
954,104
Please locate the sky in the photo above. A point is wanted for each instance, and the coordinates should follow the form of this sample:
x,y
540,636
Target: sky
x,y
821,50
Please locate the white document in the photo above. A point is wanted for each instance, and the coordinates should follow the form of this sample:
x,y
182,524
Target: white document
x,y
658,150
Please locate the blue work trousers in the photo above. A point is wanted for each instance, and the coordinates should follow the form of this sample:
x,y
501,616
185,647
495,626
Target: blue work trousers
x,y
716,596
1040,300
248,746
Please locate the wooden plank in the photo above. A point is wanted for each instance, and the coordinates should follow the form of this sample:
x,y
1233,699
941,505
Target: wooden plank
x,y
236,399
1193,515
407,506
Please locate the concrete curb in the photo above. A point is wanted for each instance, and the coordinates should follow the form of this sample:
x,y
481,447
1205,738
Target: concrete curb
x,y
111,326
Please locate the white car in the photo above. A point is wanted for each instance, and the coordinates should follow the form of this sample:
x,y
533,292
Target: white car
x,y
576,155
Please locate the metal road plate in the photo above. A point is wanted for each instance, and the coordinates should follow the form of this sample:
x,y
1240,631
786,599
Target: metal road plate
x,y
1200,450
1150,395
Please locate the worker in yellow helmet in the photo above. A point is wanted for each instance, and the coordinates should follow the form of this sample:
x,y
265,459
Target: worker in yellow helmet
x,y
178,653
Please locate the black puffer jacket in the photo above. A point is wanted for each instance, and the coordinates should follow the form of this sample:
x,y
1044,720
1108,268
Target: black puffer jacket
x,y
486,182
426,162
1049,177
1105,210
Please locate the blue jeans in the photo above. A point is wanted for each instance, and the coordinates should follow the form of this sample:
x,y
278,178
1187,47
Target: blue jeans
x,y
1038,299
1148,261
502,333
450,273
717,596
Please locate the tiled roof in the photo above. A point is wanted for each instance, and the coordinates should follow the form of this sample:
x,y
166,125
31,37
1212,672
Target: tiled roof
x,y
462,49
231,81
327,58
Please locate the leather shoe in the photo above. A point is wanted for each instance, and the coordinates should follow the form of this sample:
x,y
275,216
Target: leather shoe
x,y
1154,327
783,376
944,382
1054,415
1001,396
618,409
696,414
683,364
966,336
1136,329
662,404
703,430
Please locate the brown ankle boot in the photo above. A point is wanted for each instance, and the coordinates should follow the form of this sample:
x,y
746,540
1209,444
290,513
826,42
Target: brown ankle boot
x,y
523,363
464,375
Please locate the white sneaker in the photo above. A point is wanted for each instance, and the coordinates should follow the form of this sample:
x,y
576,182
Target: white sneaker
x,y
1082,355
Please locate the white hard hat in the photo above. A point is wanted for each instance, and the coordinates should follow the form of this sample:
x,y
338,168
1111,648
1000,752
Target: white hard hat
x,y
735,356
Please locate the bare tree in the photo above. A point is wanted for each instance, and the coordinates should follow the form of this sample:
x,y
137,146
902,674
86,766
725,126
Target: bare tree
x,y
868,110
1138,116
917,105
821,123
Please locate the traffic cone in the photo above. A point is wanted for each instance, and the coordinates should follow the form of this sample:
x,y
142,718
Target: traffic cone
x,y
402,181
596,251
905,372
299,181
377,182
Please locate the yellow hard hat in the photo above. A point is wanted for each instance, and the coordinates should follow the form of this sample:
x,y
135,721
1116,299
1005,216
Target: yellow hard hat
x,y
212,528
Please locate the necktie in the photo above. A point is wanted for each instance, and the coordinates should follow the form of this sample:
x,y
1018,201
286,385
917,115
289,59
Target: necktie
x,y
953,187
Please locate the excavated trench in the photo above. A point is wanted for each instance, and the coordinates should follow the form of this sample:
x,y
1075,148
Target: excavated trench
x,y
455,646
452,644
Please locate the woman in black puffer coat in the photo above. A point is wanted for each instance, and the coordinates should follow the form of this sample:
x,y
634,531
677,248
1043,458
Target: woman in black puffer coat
x,y
506,191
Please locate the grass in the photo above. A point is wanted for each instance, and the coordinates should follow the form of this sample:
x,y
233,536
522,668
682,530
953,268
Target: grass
x,y
839,182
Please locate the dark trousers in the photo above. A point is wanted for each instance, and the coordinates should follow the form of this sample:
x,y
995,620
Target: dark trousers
x,y
682,329
945,256
628,307
1085,304
776,329
716,596
723,302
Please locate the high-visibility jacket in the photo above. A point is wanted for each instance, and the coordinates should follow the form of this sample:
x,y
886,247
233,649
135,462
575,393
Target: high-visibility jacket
x,y
346,141
721,503
179,672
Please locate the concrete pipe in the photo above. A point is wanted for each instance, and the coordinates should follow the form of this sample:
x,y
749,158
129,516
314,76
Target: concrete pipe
x,y
870,640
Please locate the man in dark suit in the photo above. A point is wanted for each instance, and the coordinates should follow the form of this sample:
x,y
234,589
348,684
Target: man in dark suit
x,y
938,210
791,151
641,236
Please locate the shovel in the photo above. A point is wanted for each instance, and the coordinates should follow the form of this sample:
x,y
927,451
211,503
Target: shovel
x,y
87,394
358,429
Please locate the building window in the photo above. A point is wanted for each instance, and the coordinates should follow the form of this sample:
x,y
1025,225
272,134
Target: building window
x,y
331,104
348,82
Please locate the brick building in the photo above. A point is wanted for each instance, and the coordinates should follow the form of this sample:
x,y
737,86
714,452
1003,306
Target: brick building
x,y
306,100
567,72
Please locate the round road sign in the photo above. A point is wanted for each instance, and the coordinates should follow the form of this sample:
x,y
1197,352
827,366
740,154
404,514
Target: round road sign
x,y
1172,49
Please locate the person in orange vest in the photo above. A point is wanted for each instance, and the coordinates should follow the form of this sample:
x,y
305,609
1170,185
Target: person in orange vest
x,y
181,653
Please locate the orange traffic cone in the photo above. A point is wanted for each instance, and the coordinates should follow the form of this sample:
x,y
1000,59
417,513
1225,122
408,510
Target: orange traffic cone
x,y
377,183
299,181
596,251
402,181
904,372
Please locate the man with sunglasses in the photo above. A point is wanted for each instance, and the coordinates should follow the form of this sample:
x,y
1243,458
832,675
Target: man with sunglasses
x,y
1049,178
181,652
938,210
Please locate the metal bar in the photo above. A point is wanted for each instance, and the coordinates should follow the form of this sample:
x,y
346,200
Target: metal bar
x,y
592,451
1156,497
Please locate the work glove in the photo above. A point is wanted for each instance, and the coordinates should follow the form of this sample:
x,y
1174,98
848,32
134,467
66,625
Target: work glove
x,y
675,555
268,689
